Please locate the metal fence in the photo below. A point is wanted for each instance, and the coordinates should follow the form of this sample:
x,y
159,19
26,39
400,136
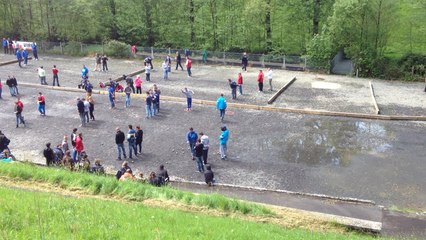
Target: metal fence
x,y
213,57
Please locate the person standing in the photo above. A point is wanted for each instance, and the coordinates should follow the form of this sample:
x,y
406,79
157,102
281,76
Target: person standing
x,y
11,50
198,149
25,56
41,104
260,80
139,138
64,145
138,84
169,63
204,54
178,61
127,91
269,74
206,143
188,93
105,63
98,61
89,88
157,93
119,140
154,103
244,61
221,106
91,108
1,89
73,138
19,107
35,50
12,84
42,75
233,86
129,80
148,62
148,105
80,109
188,65
48,154
84,72
223,142
147,73
131,139
55,75
19,57
79,146
111,96
86,110
133,49
240,83
5,46
191,139
165,68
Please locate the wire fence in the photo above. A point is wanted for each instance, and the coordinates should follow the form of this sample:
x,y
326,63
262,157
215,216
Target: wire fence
x,y
289,62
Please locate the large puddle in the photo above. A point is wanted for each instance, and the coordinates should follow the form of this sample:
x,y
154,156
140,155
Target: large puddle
x,y
324,142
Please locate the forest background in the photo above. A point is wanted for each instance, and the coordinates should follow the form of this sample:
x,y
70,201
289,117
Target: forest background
x,y
384,38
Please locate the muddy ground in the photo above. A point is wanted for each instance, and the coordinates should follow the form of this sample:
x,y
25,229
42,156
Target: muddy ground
x,y
378,160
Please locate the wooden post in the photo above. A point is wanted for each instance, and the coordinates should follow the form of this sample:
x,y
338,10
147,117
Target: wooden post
x,y
284,62
170,53
277,94
152,52
62,48
263,60
374,99
224,61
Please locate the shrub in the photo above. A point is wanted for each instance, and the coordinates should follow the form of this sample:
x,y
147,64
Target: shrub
x,y
118,49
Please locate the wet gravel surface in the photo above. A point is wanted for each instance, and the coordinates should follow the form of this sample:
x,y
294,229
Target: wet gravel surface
x,y
378,160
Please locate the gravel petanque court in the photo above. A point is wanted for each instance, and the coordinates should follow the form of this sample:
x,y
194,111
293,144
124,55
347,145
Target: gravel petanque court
x,y
377,160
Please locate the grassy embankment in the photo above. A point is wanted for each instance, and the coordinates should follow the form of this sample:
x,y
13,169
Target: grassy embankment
x,y
26,214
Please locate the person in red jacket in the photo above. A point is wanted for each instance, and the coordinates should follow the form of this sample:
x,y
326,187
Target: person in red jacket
x,y
188,66
240,83
260,80
79,147
55,75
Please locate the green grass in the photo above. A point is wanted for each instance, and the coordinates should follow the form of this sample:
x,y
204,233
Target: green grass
x,y
135,191
36,215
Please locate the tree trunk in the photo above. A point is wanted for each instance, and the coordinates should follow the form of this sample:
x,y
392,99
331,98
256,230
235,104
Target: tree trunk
x,y
268,29
192,22
113,10
316,16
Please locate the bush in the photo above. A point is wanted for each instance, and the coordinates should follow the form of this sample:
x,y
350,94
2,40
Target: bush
x,y
118,49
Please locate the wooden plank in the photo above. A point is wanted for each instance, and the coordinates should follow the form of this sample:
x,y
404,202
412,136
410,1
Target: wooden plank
x,y
376,107
13,61
129,75
277,94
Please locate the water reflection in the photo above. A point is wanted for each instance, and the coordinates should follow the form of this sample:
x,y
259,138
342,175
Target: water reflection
x,y
335,142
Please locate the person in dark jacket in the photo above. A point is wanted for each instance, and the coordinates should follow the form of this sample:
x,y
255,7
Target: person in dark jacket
x,y
80,108
163,174
178,60
199,155
233,86
244,61
4,142
139,138
13,86
129,80
119,140
209,175
49,155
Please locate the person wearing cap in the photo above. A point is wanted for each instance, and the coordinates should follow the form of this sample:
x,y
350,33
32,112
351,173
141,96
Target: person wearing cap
x,y
223,142
119,140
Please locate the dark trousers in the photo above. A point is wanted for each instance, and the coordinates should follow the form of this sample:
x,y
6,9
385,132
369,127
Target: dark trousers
x,y
139,145
178,64
19,62
205,155
139,90
104,67
55,79
91,113
148,76
6,50
260,86
244,67
132,87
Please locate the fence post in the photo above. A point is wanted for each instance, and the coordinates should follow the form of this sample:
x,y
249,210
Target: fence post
x,y
41,47
152,52
263,60
284,62
170,52
81,47
305,64
62,48
103,50
224,61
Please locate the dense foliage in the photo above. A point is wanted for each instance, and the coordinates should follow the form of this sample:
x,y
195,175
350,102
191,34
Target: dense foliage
x,y
369,31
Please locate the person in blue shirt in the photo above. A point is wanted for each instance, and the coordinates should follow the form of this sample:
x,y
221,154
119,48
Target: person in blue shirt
x,y
111,96
84,72
221,106
19,56
191,139
223,142
34,48
5,46
25,56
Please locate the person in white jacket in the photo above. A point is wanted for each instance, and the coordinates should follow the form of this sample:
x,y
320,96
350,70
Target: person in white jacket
x,y
269,74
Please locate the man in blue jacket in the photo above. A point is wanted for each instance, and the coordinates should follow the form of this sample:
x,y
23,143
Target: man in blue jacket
x,y
19,56
34,48
223,141
5,46
25,56
191,138
221,106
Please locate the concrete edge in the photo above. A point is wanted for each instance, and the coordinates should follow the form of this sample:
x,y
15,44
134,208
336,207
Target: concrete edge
x,y
255,107
312,195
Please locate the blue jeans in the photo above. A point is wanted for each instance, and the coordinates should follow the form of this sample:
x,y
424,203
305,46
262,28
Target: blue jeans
x,y
55,79
192,147
132,145
148,111
25,60
154,109
120,147
222,113
189,71
240,88
12,91
200,164
19,119
234,93
223,148
188,103
127,100
82,119
111,100
74,155
165,74
42,108
1,90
